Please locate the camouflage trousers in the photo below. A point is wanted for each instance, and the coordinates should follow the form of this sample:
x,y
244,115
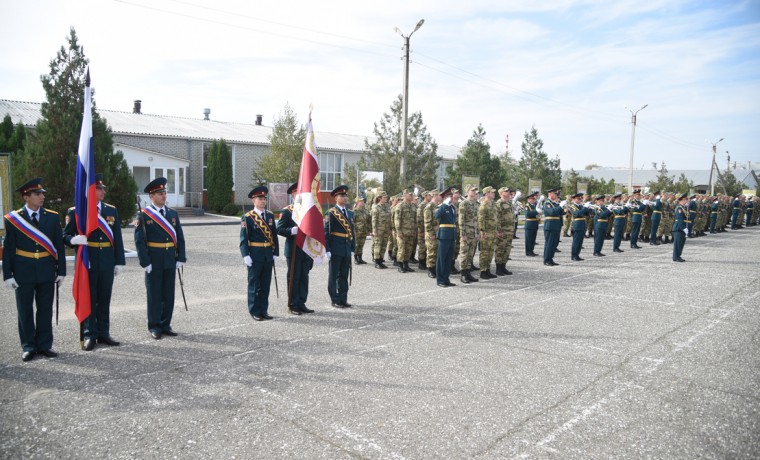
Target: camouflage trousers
x,y
504,245
566,222
467,252
421,248
361,238
392,244
431,247
486,252
628,224
379,244
405,247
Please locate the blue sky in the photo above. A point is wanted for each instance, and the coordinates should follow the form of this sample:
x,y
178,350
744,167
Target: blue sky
x,y
567,67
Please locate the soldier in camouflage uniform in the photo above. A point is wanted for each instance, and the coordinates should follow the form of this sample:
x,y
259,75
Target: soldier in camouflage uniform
x,y
392,243
381,228
628,221
467,219
487,224
668,217
505,230
430,224
456,197
415,206
421,244
405,222
567,219
589,217
362,226
646,221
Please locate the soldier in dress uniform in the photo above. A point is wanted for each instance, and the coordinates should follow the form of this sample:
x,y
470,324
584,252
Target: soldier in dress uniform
x,y
531,224
405,223
431,229
299,263
656,206
579,212
456,197
446,215
381,228
505,229
427,196
468,228
636,210
601,221
160,245
363,225
340,238
106,255
692,208
259,248
680,227
621,213
553,212
34,263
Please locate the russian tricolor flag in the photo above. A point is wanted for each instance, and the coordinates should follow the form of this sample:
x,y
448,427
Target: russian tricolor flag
x,y
86,204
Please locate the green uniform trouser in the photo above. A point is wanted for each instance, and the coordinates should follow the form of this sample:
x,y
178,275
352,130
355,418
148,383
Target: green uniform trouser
x,y
504,245
421,247
628,224
566,222
379,243
431,247
405,247
467,252
486,252
457,246
361,238
392,246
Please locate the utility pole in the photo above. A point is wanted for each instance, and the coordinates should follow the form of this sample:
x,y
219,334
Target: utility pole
x,y
714,165
633,137
402,176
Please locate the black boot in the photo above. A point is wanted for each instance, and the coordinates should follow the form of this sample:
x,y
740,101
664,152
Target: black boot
x,y
487,275
463,277
379,263
414,260
401,268
423,265
407,268
471,278
477,269
431,273
361,261
454,270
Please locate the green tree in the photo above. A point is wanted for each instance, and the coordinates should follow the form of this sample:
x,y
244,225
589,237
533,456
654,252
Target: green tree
x,y
51,152
683,184
728,184
283,163
475,159
421,159
600,186
13,140
508,166
219,179
663,181
570,182
535,163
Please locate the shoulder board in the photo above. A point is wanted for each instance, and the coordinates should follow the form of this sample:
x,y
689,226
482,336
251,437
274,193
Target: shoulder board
x,y
72,208
109,205
51,211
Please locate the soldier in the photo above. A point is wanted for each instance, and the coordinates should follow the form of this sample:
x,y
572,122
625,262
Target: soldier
x,y
392,242
579,212
468,227
601,221
714,211
456,197
405,222
106,255
446,215
381,228
299,263
552,211
340,239
259,248
680,228
34,263
748,213
487,224
531,224
589,216
567,220
646,222
160,245
636,210
363,225
421,243
621,213
431,229
505,229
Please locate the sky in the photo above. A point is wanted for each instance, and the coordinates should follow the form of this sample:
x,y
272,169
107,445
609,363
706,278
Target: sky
x,y
573,69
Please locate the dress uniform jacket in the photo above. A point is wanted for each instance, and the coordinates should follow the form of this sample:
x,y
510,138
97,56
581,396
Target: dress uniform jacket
x,y
35,267
679,225
340,239
552,225
446,216
299,263
531,227
258,239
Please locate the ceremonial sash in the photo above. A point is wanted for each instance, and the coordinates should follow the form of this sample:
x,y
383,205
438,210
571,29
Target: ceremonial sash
x,y
32,232
342,220
105,228
161,221
263,226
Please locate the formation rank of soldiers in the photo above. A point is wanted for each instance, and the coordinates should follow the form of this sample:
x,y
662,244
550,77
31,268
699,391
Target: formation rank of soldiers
x,y
438,228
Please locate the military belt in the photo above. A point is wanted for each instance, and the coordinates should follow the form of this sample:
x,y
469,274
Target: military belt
x,y
551,218
687,221
658,212
714,212
340,234
531,219
32,255
160,245
620,217
95,244
256,244
635,213
738,209
579,218
448,226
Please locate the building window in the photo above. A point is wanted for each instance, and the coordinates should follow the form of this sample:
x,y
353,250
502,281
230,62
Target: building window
x,y
181,181
142,177
206,150
330,170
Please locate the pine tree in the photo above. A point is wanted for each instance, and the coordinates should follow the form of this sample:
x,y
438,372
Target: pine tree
x,y
219,179
284,162
475,159
13,140
535,163
663,182
51,151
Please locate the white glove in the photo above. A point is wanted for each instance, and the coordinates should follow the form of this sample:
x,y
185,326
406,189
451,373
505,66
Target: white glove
x,y
180,264
563,203
274,259
539,210
78,240
247,261
542,197
447,200
118,270
686,231
294,231
328,255
149,268
587,204
11,283
59,280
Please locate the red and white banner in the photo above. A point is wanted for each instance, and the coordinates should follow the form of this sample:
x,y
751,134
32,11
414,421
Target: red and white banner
x,y
307,210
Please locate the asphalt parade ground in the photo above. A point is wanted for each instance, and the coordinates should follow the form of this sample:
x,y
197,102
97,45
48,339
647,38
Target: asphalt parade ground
x,y
624,356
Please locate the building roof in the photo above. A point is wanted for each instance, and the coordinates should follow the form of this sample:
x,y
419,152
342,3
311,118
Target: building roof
x,y
144,124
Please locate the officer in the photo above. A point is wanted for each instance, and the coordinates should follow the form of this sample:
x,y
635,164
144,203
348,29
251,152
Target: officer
x,y
714,211
656,218
105,249
552,224
363,224
736,210
601,221
456,196
531,225
692,208
32,249
299,263
340,239
446,215
381,228
468,227
636,209
621,213
259,248
579,212
405,223
505,229
748,213
431,229
680,227
160,245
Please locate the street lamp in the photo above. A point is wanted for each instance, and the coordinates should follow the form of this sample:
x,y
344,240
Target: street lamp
x,y
402,177
713,165
633,136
